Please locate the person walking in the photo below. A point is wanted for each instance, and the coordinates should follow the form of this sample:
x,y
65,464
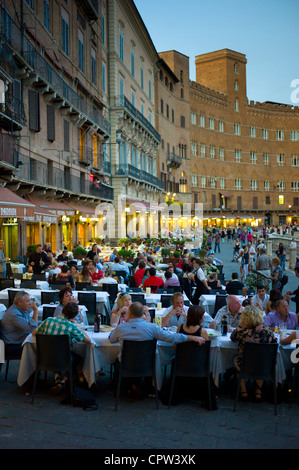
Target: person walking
x,y
3,260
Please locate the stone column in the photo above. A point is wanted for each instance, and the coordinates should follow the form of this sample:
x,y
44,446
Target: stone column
x,y
292,257
269,247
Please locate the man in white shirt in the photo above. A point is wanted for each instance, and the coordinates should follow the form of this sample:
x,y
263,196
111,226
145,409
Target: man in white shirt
x,y
176,314
261,298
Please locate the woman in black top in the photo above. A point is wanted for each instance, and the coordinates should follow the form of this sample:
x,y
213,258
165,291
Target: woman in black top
x,y
193,325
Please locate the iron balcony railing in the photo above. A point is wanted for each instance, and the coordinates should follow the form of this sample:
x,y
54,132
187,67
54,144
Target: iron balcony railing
x,y
174,159
13,108
123,102
20,44
45,175
129,170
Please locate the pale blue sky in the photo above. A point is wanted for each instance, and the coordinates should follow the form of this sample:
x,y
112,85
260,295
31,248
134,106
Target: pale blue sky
x,y
266,31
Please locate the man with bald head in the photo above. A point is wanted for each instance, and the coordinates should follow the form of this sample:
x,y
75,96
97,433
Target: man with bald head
x,y
232,311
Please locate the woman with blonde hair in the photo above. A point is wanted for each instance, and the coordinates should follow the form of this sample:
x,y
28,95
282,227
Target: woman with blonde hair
x,y
120,314
252,329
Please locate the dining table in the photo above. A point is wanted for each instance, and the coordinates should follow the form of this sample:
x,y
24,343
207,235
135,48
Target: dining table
x,y
102,298
100,353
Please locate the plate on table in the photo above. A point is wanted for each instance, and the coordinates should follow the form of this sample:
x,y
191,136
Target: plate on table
x,y
105,328
212,334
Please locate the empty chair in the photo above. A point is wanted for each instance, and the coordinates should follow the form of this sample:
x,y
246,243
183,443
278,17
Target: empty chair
x,y
138,359
132,281
152,312
133,289
28,284
58,286
6,283
112,290
220,276
18,276
258,363
89,299
219,302
9,357
138,298
96,288
9,273
53,354
165,301
119,275
48,297
215,291
38,277
11,296
83,285
192,360
48,311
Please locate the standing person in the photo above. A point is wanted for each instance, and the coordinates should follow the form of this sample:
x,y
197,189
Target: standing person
x,y
282,253
263,263
3,260
217,242
200,280
39,260
276,274
245,261
296,291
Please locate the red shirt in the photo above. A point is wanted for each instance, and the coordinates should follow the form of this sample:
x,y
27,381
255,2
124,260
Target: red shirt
x,y
97,275
139,276
153,281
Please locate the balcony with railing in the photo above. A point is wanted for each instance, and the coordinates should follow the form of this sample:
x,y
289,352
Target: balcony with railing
x,y
173,160
49,80
91,8
140,175
34,173
12,114
123,102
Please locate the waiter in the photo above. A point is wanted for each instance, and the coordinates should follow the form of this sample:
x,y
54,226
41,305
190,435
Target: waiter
x,y
39,260
200,281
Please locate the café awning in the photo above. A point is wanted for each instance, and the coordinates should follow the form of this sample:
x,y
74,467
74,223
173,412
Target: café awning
x,y
86,211
53,207
41,215
140,205
13,206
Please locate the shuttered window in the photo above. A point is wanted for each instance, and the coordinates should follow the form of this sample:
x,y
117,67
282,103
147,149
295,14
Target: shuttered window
x,y
34,110
66,125
50,123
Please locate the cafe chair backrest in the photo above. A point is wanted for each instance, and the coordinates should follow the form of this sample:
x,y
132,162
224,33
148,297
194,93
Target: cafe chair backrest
x,y
138,298
165,300
48,312
6,283
48,297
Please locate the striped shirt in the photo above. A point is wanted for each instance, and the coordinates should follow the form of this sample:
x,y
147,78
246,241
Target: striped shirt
x,y
60,326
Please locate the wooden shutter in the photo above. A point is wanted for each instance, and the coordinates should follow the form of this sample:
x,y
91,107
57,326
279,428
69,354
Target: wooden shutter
x,y
50,123
255,202
34,110
66,135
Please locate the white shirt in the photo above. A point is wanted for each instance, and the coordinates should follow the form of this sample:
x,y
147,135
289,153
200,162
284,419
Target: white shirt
x,y
200,274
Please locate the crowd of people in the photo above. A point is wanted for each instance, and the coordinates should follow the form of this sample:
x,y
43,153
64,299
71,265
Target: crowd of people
x,y
191,274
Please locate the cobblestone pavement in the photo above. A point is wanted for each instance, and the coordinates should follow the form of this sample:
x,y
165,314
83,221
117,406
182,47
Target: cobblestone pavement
x,y
47,424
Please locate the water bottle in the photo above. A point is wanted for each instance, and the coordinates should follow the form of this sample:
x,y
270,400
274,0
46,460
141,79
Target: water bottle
x,y
96,323
224,326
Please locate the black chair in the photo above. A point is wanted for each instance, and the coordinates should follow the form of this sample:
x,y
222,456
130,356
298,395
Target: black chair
x,y
52,354
138,359
165,301
89,299
120,274
134,289
28,284
11,296
175,289
187,303
132,281
18,276
9,357
220,276
112,290
7,283
48,312
58,286
169,290
83,285
192,360
138,298
220,268
259,363
294,384
96,288
48,297
9,273
219,303
152,312
38,277
215,291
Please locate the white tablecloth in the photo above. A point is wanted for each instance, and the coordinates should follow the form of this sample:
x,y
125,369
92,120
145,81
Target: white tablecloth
x,y
82,310
102,298
101,353
42,285
17,268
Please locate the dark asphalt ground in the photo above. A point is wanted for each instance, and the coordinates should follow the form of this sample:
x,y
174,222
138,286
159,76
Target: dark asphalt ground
x,y
186,429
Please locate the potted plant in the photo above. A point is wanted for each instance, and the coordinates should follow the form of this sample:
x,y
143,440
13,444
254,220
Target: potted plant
x,y
127,255
79,252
